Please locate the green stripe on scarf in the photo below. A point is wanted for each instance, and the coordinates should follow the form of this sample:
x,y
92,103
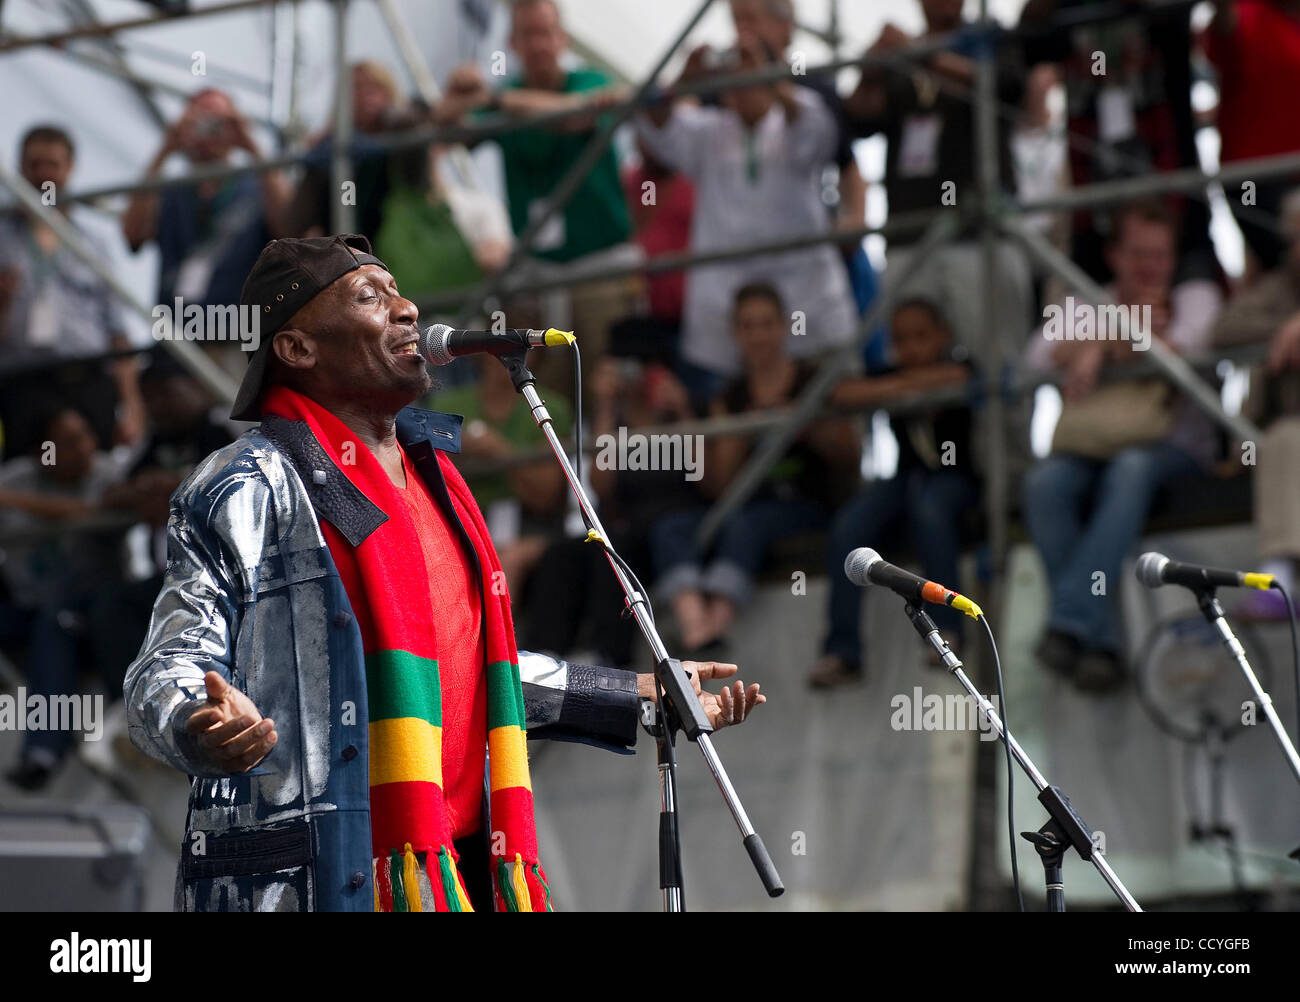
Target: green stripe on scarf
x,y
505,696
403,685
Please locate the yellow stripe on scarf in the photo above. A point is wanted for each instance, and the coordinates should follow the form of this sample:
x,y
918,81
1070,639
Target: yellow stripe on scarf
x,y
508,750
411,751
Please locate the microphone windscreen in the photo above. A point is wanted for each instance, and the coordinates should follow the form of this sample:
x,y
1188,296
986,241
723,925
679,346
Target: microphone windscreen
x,y
1150,568
858,562
433,344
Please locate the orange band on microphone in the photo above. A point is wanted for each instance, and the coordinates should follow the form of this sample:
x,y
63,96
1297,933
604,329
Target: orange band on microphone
x,y
936,593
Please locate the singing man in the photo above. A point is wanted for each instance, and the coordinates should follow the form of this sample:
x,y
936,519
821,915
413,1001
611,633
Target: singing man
x,y
332,657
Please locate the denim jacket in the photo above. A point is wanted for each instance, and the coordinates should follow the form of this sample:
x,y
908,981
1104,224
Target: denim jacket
x,y
251,592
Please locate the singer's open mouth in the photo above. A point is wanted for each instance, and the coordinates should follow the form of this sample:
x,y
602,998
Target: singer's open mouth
x,y
406,348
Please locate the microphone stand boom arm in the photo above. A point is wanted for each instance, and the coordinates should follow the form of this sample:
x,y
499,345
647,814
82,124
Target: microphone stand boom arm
x,y
678,705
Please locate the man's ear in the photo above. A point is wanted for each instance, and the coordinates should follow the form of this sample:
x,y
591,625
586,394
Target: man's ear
x,y
295,348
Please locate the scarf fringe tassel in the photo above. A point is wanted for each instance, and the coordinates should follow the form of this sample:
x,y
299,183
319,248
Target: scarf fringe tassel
x,y
396,880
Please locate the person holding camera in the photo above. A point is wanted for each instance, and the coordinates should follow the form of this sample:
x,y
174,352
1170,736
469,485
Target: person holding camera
x,y
209,233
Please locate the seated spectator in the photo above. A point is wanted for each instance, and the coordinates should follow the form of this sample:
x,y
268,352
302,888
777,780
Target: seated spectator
x,y
377,108
925,499
707,590
593,230
55,310
757,162
574,602
1269,311
1255,46
925,110
56,579
209,233
1115,445
523,505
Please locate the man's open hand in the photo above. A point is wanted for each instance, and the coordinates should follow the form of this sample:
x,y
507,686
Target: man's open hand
x,y
232,735
731,705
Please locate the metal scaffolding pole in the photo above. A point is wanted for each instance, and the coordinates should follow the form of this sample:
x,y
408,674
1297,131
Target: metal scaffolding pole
x,y
116,58
199,365
902,222
1186,181
343,212
425,85
988,174
139,82
106,28
752,423
226,76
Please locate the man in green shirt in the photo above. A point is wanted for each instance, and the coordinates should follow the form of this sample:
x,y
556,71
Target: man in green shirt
x,y
594,229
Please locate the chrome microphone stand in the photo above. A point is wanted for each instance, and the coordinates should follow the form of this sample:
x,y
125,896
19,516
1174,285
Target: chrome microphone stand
x,y
1066,827
1213,611
677,705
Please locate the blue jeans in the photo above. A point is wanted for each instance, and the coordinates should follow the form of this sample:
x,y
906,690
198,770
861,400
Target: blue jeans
x,y
738,550
929,504
1084,516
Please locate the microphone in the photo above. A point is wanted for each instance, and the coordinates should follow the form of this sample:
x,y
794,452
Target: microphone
x,y
864,566
1155,569
439,344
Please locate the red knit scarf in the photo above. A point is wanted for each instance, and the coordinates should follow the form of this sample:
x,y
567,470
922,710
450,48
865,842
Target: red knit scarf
x,y
390,593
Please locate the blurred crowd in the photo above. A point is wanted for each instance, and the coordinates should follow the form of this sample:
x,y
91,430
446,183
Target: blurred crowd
x,y
96,435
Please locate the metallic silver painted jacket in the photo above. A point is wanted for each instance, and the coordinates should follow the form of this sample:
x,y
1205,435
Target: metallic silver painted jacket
x,y
252,593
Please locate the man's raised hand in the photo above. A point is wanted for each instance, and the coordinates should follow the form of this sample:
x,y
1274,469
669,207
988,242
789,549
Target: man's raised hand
x,y
232,735
730,705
